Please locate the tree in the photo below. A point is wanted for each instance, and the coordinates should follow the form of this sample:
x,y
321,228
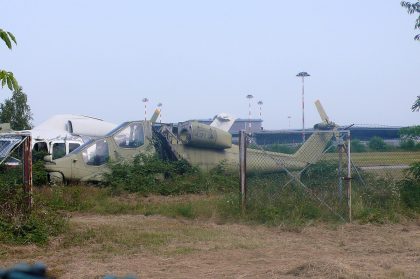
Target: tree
x,y
16,111
5,76
411,9
416,105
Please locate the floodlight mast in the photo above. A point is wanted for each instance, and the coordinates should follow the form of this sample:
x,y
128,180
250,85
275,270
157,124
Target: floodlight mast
x,y
303,75
145,100
260,103
249,97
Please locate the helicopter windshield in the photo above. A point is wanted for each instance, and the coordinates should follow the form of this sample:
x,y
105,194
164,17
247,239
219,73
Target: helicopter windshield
x,y
81,147
97,153
131,136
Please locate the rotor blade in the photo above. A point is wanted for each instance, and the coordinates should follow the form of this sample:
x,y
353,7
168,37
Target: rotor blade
x,y
321,112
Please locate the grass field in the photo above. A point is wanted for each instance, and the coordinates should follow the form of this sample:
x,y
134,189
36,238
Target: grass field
x,y
380,158
94,245
204,234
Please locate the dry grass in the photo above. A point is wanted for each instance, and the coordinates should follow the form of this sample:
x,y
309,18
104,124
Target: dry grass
x,y
161,247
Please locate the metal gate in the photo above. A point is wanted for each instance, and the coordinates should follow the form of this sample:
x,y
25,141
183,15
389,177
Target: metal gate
x,y
299,179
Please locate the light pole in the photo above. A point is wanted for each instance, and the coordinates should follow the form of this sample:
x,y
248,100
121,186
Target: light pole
x,y
160,113
289,120
145,100
303,75
249,97
260,103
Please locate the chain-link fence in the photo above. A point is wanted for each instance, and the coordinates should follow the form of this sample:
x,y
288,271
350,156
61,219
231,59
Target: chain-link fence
x,y
321,177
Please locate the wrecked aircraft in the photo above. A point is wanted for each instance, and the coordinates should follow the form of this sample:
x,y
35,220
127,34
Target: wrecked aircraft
x,y
89,161
57,136
204,146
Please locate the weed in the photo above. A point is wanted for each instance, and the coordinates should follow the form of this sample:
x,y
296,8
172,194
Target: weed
x,y
150,175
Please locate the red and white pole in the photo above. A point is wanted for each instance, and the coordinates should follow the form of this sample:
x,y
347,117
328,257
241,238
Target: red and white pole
x,y
249,97
145,100
303,109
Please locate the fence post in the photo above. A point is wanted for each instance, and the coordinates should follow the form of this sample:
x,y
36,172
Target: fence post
x,y
27,170
243,139
348,178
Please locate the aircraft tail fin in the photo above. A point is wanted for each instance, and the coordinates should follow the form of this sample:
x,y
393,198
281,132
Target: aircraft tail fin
x,y
223,121
313,148
155,115
322,112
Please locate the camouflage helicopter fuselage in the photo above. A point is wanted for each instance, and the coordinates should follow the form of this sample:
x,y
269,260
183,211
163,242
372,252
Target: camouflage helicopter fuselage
x,y
201,145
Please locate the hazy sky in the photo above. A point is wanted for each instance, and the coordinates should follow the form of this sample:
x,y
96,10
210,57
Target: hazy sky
x,y
199,58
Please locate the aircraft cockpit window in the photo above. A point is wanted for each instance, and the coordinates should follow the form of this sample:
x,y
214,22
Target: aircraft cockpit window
x,y
130,137
59,150
97,154
73,146
41,147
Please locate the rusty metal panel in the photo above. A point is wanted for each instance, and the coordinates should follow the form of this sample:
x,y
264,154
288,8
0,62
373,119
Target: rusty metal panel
x,y
27,170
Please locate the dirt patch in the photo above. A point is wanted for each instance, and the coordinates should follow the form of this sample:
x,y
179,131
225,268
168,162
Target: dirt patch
x,y
160,247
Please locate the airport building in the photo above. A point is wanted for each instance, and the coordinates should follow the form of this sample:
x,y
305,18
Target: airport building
x,y
364,134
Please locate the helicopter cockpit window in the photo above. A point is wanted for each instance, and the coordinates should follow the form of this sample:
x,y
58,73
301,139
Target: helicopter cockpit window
x,y
59,150
73,146
41,147
131,136
97,154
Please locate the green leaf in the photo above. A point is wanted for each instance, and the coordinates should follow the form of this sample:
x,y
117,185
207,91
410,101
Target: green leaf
x,y
9,82
15,83
9,79
5,38
12,37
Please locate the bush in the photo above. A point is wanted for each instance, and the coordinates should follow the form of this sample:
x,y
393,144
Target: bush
x,y
321,171
410,194
408,144
357,146
150,175
410,187
39,174
35,227
20,225
377,144
10,175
